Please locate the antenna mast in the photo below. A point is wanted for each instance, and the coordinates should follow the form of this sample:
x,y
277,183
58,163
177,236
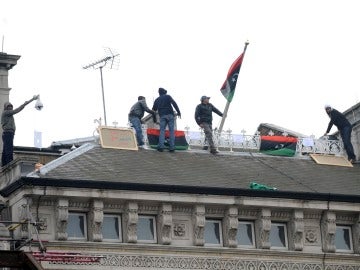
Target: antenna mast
x,y
113,61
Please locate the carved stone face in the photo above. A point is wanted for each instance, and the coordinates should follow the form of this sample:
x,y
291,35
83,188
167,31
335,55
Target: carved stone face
x,y
179,230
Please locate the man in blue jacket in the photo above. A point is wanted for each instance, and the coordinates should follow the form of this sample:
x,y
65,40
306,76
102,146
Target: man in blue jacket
x,y
203,117
164,106
344,127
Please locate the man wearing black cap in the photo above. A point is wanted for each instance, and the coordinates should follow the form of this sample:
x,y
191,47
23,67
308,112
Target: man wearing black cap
x,y
203,117
136,113
344,127
8,127
164,106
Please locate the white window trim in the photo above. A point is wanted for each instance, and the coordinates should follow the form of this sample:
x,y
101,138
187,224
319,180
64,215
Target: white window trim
x,y
252,231
120,232
286,236
154,226
351,250
220,232
85,226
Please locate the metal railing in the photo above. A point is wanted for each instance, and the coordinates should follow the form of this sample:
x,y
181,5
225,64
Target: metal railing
x,y
228,141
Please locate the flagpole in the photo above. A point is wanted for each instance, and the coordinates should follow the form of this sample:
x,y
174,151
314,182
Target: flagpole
x,y
228,102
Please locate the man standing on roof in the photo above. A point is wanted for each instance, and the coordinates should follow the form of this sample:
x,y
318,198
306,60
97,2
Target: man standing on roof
x,y
8,127
344,127
164,106
203,117
136,113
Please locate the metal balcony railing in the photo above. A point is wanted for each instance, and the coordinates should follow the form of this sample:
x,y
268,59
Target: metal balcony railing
x,y
227,141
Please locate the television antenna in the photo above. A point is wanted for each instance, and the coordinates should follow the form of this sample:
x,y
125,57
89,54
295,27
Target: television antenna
x,y
111,61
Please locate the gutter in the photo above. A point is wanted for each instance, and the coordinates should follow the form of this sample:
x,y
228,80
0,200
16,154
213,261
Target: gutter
x,y
51,182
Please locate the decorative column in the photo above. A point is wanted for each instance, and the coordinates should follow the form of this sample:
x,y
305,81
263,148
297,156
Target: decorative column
x,y
7,62
164,224
297,231
263,227
131,218
199,224
356,234
62,215
328,228
96,221
231,223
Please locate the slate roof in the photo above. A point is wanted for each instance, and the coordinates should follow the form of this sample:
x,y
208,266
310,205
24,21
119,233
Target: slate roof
x,y
201,170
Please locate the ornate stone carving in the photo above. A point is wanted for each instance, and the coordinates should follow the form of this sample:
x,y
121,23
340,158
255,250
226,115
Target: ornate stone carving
x,y
171,262
165,223
62,215
263,227
297,231
199,224
311,236
180,229
96,220
231,226
130,222
328,225
356,234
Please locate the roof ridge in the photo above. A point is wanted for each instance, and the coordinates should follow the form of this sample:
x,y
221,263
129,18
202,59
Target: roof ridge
x,y
63,159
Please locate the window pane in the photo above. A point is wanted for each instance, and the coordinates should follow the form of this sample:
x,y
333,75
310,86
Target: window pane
x,y
110,229
76,226
245,234
278,235
145,229
343,238
212,232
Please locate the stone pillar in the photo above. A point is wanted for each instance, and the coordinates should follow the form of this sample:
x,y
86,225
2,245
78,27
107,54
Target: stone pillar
x,y
199,224
328,228
164,224
96,221
131,218
231,223
7,62
356,234
263,227
296,241
62,216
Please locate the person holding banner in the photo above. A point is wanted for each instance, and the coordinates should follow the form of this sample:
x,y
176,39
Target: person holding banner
x,y
203,117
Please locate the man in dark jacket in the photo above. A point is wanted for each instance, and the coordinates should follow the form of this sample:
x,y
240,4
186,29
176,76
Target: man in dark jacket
x,y
136,113
203,117
344,127
164,106
8,127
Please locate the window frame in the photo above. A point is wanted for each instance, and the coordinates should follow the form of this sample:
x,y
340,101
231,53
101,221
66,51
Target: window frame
x,y
252,232
284,225
217,221
85,226
349,228
119,228
153,218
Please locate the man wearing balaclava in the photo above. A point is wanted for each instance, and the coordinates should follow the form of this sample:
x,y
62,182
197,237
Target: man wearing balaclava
x,y
8,127
164,106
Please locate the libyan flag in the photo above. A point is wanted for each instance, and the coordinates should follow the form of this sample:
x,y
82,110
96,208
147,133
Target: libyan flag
x,y
278,145
228,87
180,140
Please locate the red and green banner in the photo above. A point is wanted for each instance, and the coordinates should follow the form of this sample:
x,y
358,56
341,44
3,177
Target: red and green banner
x,y
180,140
278,145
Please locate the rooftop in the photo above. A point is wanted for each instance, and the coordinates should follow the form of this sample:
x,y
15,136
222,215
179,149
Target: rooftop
x,y
196,171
